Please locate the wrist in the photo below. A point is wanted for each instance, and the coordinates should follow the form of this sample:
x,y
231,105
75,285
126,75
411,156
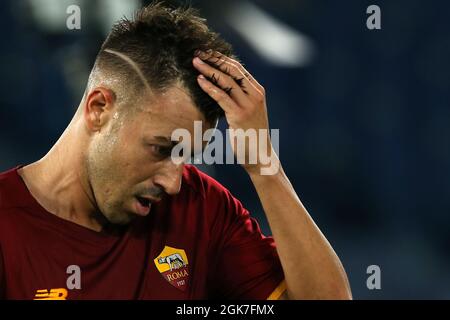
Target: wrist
x,y
269,171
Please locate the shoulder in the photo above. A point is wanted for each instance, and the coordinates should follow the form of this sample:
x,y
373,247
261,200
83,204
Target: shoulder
x,y
208,196
11,193
211,198
201,184
9,185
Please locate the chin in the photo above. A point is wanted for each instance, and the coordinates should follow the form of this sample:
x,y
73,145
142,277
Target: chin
x,y
122,220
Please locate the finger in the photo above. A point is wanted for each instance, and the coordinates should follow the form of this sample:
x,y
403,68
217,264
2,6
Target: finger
x,y
220,57
222,80
221,97
234,68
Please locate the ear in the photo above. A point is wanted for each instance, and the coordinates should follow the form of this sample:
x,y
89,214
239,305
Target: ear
x,y
97,108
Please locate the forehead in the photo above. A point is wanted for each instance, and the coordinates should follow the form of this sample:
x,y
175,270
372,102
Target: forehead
x,y
170,110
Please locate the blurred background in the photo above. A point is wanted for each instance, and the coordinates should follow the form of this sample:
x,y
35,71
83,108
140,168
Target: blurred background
x,y
364,115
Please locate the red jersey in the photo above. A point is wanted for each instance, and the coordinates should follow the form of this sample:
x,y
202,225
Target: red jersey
x,y
198,244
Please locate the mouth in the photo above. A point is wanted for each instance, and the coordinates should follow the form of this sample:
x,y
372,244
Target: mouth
x,y
142,206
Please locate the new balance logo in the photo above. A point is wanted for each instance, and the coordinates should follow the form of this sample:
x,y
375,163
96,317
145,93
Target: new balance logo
x,y
53,294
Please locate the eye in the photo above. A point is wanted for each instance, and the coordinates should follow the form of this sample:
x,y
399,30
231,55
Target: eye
x,y
160,151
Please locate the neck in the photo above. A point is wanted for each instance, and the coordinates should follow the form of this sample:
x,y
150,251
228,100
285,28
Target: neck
x,y
59,181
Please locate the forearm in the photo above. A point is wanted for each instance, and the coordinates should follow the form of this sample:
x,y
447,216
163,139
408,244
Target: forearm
x,y
311,267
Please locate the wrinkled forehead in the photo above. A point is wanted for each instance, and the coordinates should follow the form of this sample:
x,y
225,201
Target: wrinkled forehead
x,y
170,110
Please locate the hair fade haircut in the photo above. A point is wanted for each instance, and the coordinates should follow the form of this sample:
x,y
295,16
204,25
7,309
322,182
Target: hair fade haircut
x,y
161,40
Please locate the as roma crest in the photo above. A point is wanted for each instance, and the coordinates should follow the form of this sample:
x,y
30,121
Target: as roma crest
x,y
172,263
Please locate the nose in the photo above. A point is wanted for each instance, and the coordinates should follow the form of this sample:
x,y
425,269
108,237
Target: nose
x,y
169,177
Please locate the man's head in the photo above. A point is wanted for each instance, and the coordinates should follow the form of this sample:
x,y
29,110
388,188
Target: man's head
x,y
143,86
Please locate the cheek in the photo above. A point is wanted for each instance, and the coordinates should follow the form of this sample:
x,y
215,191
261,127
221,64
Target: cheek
x,y
106,166
132,158
127,160
127,165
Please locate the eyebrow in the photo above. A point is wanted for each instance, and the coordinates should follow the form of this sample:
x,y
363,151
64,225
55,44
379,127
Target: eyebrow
x,y
167,141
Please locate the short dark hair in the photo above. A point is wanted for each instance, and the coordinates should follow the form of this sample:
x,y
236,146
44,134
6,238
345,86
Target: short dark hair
x,y
161,40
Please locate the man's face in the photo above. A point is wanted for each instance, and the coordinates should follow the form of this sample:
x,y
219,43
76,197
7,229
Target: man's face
x,y
128,162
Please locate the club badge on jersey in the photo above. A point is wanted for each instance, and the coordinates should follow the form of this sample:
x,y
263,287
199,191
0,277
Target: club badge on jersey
x,y
172,264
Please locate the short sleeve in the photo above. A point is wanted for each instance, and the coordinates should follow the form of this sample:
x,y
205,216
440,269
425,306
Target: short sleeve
x,y
247,265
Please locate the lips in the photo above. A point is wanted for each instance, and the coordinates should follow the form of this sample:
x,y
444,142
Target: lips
x,y
142,206
144,201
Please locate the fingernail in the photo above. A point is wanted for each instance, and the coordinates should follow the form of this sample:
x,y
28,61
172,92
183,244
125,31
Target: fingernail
x,y
201,77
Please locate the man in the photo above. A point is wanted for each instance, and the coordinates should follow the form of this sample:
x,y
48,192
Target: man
x,y
109,214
